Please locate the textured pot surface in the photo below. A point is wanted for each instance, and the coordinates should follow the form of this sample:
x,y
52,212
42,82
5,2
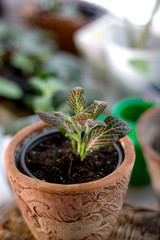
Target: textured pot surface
x,y
148,129
68,212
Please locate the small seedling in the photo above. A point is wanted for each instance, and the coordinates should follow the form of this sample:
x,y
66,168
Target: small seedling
x,y
85,132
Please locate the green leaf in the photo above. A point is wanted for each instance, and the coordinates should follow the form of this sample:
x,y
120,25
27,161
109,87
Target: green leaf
x,y
36,44
23,62
140,65
16,125
101,136
67,67
72,136
91,112
76,99
91,123
87,113
120,127
64,116
39,103
37,84
10,89
48,87
49,118
8,32
98,107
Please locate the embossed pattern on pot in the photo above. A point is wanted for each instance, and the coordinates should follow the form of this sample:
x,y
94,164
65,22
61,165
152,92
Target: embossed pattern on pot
x,y
67,214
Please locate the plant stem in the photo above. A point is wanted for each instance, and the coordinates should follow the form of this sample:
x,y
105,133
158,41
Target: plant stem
x,y
74,146
85,135
84,143
82,152
78,131
143,35
83,157
79,142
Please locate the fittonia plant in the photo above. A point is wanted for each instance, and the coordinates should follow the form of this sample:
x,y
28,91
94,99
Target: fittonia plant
x,y
85,132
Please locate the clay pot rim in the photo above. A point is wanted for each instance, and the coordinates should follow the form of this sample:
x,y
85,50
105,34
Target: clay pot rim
x,y
118,174
140,130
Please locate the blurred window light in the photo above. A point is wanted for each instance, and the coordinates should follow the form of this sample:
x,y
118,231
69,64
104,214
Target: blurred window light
x,y
136,11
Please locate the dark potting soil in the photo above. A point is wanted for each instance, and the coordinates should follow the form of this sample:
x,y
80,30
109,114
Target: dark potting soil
x,y
53,161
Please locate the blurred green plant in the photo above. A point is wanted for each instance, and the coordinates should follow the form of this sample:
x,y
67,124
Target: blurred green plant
x,y
140,65
65,66
50,4
43,76
10,89
67,9
24,62
43,91
28,49
16,125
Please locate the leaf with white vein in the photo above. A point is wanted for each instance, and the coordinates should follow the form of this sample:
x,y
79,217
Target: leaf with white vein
x,y
97,108
54,121
101,136
76,99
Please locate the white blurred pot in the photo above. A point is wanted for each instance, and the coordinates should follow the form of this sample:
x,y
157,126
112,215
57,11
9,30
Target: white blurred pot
x,y
90,41
121,60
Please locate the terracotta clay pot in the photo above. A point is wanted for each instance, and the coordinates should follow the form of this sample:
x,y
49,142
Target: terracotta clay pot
x,y
148,130
85,211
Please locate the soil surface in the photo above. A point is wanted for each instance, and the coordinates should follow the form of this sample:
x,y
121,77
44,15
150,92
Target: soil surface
x,y
52,160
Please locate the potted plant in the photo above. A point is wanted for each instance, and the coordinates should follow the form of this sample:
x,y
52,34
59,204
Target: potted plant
x,y
62,17
149,136
132,55
78,200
